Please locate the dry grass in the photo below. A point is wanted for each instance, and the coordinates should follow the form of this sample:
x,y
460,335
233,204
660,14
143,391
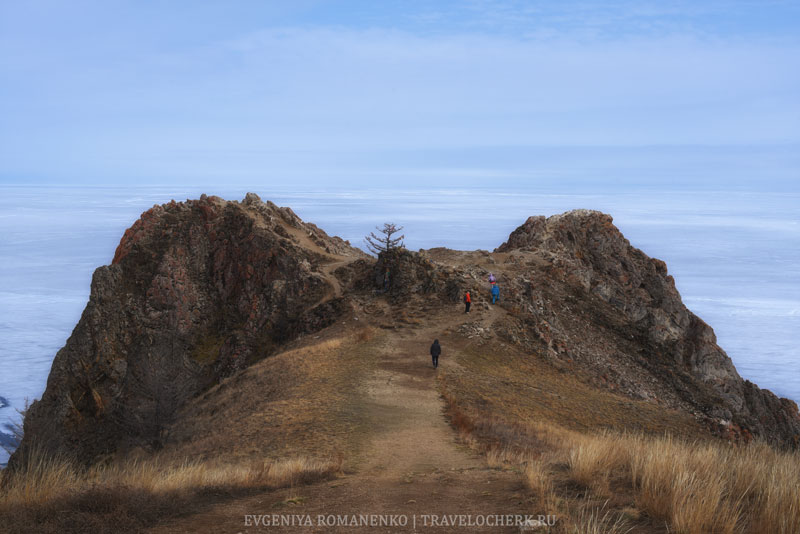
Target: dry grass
x,y
539,479
597,520
45,478
716,487
305,401
497,379
695,487
53,495
591,463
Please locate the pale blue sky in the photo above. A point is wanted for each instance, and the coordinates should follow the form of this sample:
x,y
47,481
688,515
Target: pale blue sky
x,y
429,92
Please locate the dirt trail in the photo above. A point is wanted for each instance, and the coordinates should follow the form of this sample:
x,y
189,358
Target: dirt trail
x,y
335,261
414,467
327,270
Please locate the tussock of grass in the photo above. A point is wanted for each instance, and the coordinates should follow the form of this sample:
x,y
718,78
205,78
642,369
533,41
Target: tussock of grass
x,y
591,464
540,481
597,520
135,494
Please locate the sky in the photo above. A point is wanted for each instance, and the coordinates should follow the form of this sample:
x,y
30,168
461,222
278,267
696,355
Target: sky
x,y
317,92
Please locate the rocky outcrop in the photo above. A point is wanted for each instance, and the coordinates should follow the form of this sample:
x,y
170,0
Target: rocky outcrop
x,y
196,291
402,273
606,304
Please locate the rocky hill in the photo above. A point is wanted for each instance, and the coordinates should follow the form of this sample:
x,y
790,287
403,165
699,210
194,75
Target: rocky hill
x,y
201,292
609,306
196,291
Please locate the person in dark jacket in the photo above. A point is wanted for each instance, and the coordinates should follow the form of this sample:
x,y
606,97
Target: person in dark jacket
x,y
436,350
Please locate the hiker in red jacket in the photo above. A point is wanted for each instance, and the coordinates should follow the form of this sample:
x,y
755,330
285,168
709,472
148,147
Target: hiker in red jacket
x,y
467,302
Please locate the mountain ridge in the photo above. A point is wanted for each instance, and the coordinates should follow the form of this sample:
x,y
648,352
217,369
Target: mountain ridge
x,y
200,291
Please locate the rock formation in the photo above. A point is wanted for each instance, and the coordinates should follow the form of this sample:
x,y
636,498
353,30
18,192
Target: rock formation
x,y
641,338
200,289
196,291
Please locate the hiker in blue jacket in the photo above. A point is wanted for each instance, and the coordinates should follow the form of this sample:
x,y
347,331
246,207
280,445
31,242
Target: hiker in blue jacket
x,y
495,293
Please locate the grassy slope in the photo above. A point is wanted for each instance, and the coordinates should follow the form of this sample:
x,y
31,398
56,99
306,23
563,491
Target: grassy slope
x,y
499,382
302,401
606,463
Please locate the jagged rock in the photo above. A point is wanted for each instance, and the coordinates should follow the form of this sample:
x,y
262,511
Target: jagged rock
x,y
196,291
413,273
665,349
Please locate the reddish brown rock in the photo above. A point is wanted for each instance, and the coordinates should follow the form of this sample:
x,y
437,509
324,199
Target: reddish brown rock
x,y
619,313
196,291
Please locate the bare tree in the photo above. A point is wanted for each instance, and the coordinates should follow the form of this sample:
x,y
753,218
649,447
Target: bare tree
x,y
384,243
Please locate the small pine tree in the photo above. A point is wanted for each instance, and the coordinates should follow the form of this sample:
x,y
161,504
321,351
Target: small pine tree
x,y
385,243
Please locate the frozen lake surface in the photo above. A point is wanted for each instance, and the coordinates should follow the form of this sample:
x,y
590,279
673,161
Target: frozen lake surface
x,y
735,256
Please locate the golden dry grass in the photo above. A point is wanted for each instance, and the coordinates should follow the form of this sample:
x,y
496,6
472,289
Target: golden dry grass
x,y
694,487
716,487
695,484
593,519
496,378
44,479
539,479
305,400
142,491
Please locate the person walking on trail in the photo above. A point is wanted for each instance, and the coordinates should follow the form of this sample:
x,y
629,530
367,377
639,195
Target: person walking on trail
x,y
495,293
467,302
436,350
492,279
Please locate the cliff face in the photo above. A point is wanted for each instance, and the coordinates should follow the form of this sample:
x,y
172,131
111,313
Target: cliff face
x,y
201,289
196,291
606,304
